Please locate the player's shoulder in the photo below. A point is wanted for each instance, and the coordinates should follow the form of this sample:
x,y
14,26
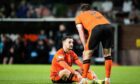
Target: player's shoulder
x,y
94,12
71,52
97,12
60,51
59,54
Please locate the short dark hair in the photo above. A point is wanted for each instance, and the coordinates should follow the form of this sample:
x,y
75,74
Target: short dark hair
x,y
85,7
66,37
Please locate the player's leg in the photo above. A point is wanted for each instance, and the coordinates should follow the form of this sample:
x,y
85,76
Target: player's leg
x,y
107,44
86,65
69,77
92,42
86,62
108,61
91,75
61,76
5,59
108,64
11,60
92,78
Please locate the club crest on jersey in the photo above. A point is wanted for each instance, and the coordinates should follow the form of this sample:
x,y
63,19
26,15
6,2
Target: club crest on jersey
x,y
60,57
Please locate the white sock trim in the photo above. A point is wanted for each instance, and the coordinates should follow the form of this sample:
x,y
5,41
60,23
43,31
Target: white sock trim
x,y
107,79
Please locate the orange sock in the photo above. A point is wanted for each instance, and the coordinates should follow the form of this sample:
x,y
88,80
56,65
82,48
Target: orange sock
x,y
75,78
108,65
86,65
90,76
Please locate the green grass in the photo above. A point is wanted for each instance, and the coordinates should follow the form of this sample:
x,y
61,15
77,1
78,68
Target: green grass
x,y
39,74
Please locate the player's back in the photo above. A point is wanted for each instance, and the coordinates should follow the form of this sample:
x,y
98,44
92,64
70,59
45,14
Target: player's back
x,y
90,19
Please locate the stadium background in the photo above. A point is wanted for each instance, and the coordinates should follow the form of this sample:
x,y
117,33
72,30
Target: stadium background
x,y
31,32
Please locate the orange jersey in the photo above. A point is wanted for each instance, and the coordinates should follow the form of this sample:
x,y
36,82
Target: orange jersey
x,y
69,57
90,19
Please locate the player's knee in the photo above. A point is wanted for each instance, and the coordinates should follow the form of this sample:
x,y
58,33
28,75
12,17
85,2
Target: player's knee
x,y
67,72
87,54
107,52
64,72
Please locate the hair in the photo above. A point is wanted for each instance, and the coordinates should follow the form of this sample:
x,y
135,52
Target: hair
x,y
66,37
85,7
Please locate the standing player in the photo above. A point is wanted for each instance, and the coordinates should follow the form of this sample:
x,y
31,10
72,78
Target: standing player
x,y
61,70
99,30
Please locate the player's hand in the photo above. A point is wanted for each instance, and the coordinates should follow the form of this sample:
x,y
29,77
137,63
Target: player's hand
x,y
78,75
76,72
83,81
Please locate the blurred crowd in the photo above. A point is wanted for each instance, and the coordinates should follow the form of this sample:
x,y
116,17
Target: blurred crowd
x,y
34,48
120,11
40,48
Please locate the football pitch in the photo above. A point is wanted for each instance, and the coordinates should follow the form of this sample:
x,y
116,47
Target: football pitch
x,y
39,74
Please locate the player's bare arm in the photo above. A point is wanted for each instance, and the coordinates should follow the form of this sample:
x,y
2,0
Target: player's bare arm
x,y
66,66
79,63
81,33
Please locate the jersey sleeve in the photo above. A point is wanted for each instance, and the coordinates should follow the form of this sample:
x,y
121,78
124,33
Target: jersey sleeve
x,y
75,57
77,20
77,60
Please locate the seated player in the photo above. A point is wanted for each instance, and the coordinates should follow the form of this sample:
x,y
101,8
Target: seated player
x,y
61,68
